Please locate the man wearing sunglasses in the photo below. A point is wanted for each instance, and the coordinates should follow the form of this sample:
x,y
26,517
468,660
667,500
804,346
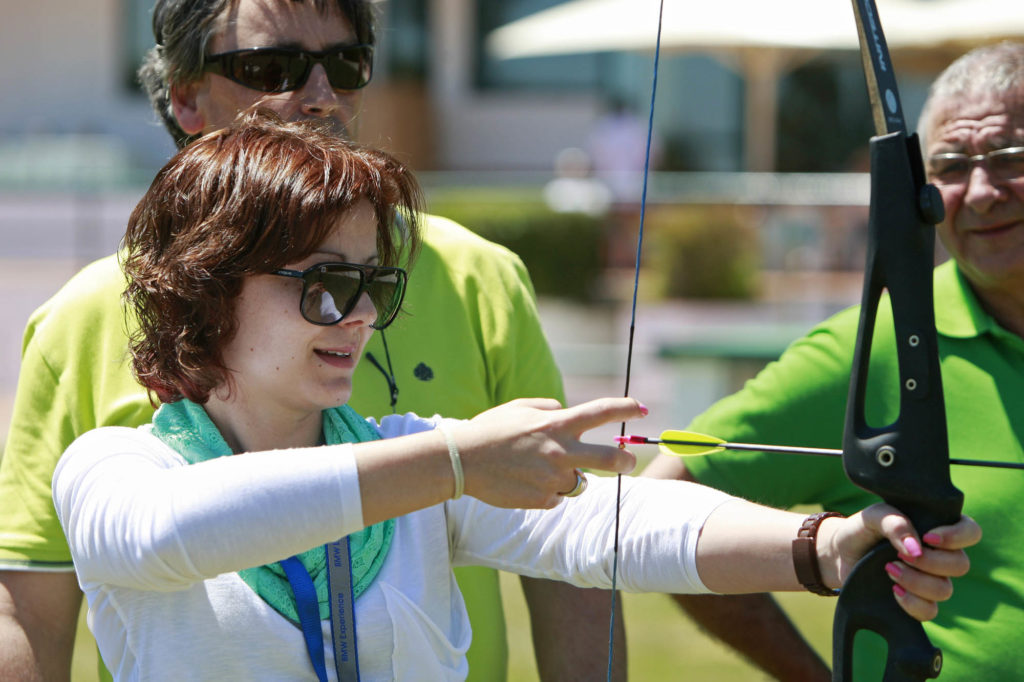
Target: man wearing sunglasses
x,y
471,338
972,131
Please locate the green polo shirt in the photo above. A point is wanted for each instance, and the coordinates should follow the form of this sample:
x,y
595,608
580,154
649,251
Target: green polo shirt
x,y
800,400
469,339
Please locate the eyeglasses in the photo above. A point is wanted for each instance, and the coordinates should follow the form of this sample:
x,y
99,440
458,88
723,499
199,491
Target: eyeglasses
x,y
280,69
331,290
954,169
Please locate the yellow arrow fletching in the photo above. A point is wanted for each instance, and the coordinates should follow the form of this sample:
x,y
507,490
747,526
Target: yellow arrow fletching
x,y
692,445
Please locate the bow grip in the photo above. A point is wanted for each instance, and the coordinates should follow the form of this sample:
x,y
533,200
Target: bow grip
x,y
866,603
906,463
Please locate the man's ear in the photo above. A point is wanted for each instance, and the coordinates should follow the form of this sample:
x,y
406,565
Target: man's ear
x,y
185,106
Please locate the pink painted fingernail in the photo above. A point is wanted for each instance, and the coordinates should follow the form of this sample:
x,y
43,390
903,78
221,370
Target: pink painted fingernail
x,y
899,591
643,409
912,547
932,538
893,570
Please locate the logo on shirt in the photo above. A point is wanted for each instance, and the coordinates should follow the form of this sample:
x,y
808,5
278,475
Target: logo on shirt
x,y
423,373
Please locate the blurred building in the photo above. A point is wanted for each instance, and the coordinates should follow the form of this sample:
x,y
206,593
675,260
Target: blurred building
x,y
78,141
67,68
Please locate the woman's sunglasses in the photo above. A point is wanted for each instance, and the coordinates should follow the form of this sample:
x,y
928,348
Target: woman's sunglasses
x,y
331,290
280,69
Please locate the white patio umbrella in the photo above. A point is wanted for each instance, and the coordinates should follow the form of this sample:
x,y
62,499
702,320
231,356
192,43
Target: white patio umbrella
x,y
964,23
761,39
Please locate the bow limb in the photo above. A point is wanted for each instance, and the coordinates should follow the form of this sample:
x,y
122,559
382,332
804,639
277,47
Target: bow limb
x,y
906,463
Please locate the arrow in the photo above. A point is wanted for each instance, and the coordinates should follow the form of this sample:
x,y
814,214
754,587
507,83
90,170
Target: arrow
x,y
692,444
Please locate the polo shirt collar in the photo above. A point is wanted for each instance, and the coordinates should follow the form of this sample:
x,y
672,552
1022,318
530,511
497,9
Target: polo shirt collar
x,y
958,313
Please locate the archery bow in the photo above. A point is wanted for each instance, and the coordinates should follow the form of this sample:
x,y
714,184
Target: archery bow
x,y
907,462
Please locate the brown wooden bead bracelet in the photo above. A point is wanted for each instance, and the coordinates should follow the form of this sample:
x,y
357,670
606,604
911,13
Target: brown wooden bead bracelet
x,y
805,554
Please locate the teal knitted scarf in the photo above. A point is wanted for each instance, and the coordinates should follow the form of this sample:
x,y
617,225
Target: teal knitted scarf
x,y
187,429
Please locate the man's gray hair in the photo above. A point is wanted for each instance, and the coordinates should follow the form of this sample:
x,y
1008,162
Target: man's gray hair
x,y
184,28
993,69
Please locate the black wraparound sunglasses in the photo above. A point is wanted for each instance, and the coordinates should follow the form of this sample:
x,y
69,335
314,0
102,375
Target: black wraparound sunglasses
x,y
331,290
280,69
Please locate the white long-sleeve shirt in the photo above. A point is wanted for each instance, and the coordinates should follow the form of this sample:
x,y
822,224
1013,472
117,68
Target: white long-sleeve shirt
x,y
157,543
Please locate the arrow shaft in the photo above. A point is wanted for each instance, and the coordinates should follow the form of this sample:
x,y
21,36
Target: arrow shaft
x,y
790,449
754,447
819,452
986,463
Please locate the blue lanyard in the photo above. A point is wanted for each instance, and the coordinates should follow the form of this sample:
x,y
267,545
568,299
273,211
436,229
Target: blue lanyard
x,y
343,619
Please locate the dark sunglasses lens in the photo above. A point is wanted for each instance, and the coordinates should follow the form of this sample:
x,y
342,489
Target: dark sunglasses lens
x,y
329,295
268,71
332,291
349,68
386,290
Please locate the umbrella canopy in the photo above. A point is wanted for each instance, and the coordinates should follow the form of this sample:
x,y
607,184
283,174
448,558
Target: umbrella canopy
x,y
761,39
604,25
965,23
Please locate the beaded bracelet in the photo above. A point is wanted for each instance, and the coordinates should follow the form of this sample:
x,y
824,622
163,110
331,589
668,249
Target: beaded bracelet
x,y
805,554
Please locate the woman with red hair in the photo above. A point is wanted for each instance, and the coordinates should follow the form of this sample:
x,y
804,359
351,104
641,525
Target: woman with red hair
x,y
259,262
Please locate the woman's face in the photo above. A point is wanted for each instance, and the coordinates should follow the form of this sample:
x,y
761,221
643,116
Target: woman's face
x,y
283,363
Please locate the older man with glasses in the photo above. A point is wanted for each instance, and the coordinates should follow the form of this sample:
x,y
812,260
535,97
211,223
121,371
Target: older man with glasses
x,y
973,137
480,345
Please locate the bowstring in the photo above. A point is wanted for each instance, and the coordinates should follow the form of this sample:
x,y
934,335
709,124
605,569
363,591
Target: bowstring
x,y
632,328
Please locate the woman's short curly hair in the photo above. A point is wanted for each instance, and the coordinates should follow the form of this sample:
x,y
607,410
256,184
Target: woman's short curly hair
x,y
248,199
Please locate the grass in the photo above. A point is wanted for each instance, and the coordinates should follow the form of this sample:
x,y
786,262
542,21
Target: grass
x,y
85,657
665,645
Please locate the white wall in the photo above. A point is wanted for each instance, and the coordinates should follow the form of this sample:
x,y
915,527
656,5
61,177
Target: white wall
x,y
61,72
503,132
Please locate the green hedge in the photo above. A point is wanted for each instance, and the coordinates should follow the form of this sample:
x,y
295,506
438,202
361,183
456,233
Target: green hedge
x,y
562,251
702,252
708,252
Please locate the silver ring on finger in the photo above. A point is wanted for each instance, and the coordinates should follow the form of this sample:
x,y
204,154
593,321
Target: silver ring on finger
x,y
581,485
